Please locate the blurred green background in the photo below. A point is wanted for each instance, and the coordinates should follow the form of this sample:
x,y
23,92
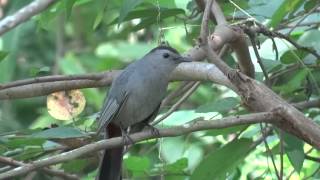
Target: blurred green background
x,y
86,36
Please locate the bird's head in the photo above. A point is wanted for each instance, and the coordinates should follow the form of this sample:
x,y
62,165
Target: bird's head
x,y
167,56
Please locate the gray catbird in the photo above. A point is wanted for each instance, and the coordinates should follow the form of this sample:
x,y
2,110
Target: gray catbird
x,y
134,100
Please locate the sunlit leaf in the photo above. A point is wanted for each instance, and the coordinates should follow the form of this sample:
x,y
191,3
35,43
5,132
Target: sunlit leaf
x,y
137,165
177,167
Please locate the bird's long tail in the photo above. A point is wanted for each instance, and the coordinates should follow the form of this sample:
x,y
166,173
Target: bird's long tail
x,y
110,165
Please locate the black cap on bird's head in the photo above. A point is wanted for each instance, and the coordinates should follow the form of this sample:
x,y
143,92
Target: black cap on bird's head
x,y
165,47
170,53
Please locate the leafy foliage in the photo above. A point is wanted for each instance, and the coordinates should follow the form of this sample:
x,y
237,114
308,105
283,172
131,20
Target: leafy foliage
x,y
86,36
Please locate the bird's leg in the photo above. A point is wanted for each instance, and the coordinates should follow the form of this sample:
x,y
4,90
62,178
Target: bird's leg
x,y
153,129
127,141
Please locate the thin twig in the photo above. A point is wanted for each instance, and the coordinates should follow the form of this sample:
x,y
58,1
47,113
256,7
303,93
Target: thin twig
x,y
53,78
52,172
260,28
178,103
204,25
298,46
180,90
141,136
24,14
268,150
281,152
302,19
218,14
315,159
254,46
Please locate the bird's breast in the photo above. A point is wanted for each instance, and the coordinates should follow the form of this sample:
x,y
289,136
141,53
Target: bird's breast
x,y
145,96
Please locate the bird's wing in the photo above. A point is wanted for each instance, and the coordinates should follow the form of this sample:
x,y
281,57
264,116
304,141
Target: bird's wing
x,y
110,110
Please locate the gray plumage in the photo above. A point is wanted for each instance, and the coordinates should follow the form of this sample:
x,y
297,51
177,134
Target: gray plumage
x,y
138,91
133,101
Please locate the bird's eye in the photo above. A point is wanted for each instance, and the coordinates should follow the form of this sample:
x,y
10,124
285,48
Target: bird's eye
x,y
165,55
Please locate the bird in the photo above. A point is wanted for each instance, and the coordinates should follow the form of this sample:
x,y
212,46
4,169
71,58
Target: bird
x,y
133,101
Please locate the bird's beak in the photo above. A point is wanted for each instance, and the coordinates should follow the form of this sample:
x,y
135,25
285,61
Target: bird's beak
x,y
183,59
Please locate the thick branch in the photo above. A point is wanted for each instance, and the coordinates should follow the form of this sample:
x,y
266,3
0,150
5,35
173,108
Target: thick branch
x,y
195,71
118,141
258,97
236,38
218,14
24,14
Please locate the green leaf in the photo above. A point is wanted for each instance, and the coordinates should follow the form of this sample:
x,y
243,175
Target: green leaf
x,y
293,56
146,14
184,116
294,83
68,6
98,19
162,3
174,148
3,55
230,9
294,150
153,19
24,141
311,39
177,167
217,164
128,5
270,64
35,71
29,152
116,49
286,7
220,105
225,131
75,166
137,165
310,4
46,18
59,133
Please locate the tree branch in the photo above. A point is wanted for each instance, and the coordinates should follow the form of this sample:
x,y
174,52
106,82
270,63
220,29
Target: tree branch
x,y
52,172
235,37
24,14
204,25
260,98
194,71
193,126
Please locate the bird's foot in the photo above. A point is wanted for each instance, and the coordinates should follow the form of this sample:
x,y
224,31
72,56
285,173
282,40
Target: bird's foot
x,y
127,140
154,130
